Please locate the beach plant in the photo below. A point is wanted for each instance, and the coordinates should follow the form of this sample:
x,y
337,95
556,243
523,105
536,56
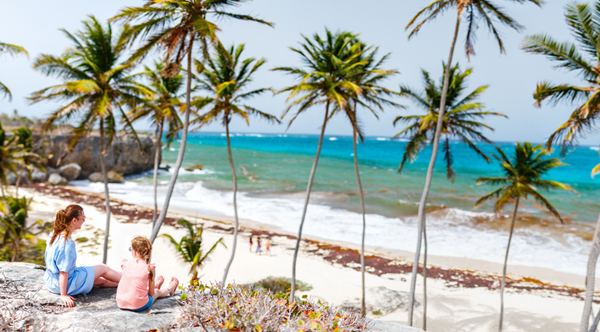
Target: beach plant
x,y
174,26
472,11
96,90
521,180
225,77
9,49
14,221
277,285
324,80
373,97
579,56
162,109
189,248
243,308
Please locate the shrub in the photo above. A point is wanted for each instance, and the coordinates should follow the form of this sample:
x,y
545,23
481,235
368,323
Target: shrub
x,y
243,308
278,285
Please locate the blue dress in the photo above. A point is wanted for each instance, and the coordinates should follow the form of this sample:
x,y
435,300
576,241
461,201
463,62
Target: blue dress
x,y
61,257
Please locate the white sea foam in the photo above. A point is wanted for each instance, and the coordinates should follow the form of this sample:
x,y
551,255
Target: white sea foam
x,y
595,148
333,138
382,139
450,231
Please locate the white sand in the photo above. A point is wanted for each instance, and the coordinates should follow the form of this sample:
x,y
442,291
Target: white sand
x,y
449,309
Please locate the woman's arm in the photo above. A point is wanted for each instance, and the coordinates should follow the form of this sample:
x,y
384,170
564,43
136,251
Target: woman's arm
x,y
150,281
63,282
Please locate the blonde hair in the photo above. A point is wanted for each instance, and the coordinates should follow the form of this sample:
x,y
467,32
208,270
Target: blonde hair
x,y
62,223
142,246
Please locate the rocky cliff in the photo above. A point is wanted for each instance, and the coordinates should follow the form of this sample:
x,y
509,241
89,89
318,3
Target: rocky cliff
x,y
124,155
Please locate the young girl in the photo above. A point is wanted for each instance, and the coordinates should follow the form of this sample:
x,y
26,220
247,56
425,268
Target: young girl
x,y
136,291
62,276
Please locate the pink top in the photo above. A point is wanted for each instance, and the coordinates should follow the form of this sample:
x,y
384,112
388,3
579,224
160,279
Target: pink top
x,y
132,292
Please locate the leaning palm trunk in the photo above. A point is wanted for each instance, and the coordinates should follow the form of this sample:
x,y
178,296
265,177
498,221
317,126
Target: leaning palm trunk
x,y
424,275
590,281
436,140
594,327
308,189
157,151
18,183
171,187
235,230
106,194
364,229
512,227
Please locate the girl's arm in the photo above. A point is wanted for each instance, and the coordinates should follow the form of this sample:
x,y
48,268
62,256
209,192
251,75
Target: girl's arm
x,y
63,282
150,281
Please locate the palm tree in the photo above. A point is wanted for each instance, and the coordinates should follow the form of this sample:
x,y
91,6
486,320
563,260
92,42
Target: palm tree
x,y
96,88
226,77
189,247
30,159
325,80
174,26
372,97
460,122
162,110
9,49
474,10
522,179
579,57
10,157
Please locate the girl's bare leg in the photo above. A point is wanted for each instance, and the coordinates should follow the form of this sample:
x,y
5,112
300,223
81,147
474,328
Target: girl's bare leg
x,y
101,282
107,273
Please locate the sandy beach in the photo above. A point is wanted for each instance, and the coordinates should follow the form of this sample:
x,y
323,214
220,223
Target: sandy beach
x,y
462,293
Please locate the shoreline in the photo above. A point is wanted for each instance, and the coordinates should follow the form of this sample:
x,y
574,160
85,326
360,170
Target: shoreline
x,y
454,271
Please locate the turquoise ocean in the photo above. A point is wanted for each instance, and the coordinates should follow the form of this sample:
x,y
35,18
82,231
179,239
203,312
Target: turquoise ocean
x,y
273,171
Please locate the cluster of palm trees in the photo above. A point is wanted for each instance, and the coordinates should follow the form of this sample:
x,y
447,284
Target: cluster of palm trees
x,y
340,74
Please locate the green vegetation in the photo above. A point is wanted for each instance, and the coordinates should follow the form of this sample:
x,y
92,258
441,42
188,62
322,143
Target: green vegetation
x,y
522,179
277,285
190,248
9,49
17,120
242,308
18,238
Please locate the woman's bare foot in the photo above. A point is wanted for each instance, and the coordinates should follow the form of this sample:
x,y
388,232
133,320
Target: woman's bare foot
x,y
159,281
173,286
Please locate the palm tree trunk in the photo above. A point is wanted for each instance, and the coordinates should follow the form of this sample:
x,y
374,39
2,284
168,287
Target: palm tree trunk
x,y
106,194
512,227
171,187
17,183
590,280
436,141
364,228
594,327
157,151
424,275
235,230
308,189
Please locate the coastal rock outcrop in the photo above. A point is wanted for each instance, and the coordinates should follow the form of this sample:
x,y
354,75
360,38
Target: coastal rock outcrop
x,y
111,176
57,180
124,155
38,175
70,171
96,310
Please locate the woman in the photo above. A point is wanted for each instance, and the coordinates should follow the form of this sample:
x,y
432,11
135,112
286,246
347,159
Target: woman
x,y
62,276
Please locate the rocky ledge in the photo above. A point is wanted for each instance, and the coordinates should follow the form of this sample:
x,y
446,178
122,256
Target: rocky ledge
x,y
26,305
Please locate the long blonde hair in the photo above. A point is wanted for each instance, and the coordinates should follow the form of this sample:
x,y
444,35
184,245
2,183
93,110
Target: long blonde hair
x,y
142,246
62,223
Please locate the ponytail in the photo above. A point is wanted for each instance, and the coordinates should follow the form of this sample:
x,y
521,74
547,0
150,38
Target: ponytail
x,y
62,223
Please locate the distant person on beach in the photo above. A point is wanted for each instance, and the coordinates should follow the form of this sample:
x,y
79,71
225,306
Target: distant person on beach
x,y
62,276
258,249
268,246
251,243
137,290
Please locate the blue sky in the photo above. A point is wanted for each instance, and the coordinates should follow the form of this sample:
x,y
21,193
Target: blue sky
x,y
512,77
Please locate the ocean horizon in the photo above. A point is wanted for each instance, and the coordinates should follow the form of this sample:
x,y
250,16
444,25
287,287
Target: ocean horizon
x,y
273,170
